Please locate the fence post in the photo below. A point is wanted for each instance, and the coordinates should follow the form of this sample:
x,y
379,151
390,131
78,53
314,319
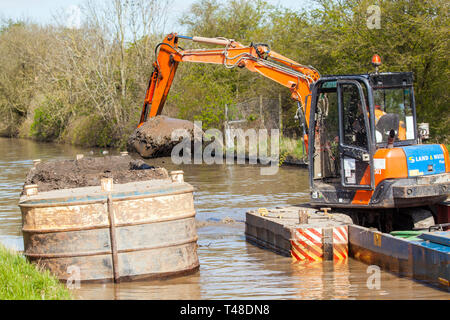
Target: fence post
x,y
261,116
226,129
280,117
226,113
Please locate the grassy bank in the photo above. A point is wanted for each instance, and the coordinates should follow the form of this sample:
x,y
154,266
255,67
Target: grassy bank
x,y
21,280
291,150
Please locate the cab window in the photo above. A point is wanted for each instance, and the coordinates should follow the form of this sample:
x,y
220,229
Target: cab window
x,y
326,138
393,110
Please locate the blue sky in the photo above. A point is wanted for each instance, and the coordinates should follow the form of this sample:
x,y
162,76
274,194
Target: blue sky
x,y
39,10
42,11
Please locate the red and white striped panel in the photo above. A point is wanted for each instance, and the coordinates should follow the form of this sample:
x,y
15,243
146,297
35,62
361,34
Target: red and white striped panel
x,y
340,243
307,245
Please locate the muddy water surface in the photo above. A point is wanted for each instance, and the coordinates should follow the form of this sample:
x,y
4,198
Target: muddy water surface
x,y
230,268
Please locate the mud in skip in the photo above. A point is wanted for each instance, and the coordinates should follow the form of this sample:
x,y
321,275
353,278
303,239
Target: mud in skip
x,y
86,172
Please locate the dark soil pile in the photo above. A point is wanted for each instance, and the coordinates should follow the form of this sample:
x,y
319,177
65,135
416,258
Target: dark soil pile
x,y
154,138
66,174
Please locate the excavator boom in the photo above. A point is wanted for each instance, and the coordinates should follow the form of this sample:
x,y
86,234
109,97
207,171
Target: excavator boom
x,y
256,58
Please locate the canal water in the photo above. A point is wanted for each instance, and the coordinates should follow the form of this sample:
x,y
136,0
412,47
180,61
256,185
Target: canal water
x,y
230,268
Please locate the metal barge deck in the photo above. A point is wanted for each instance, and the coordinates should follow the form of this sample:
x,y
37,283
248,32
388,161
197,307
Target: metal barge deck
x,y
307,234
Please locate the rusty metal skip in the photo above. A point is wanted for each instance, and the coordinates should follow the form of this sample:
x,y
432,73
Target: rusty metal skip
x,y
138,230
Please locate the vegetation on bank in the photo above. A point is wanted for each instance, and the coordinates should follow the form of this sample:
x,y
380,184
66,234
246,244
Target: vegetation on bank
x,y
292,149
21,280
86,85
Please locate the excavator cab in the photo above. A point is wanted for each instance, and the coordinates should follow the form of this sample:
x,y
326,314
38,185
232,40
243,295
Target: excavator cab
x,y
364,147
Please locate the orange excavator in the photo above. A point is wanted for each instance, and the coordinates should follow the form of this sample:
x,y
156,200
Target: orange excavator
x,y
360,131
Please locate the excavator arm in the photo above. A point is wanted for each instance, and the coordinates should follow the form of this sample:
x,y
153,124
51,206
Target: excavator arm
x,y
256,58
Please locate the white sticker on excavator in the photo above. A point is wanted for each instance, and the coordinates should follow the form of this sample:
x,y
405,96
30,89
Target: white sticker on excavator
x,y
351,180
349,164
409,127
349,170
379,163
